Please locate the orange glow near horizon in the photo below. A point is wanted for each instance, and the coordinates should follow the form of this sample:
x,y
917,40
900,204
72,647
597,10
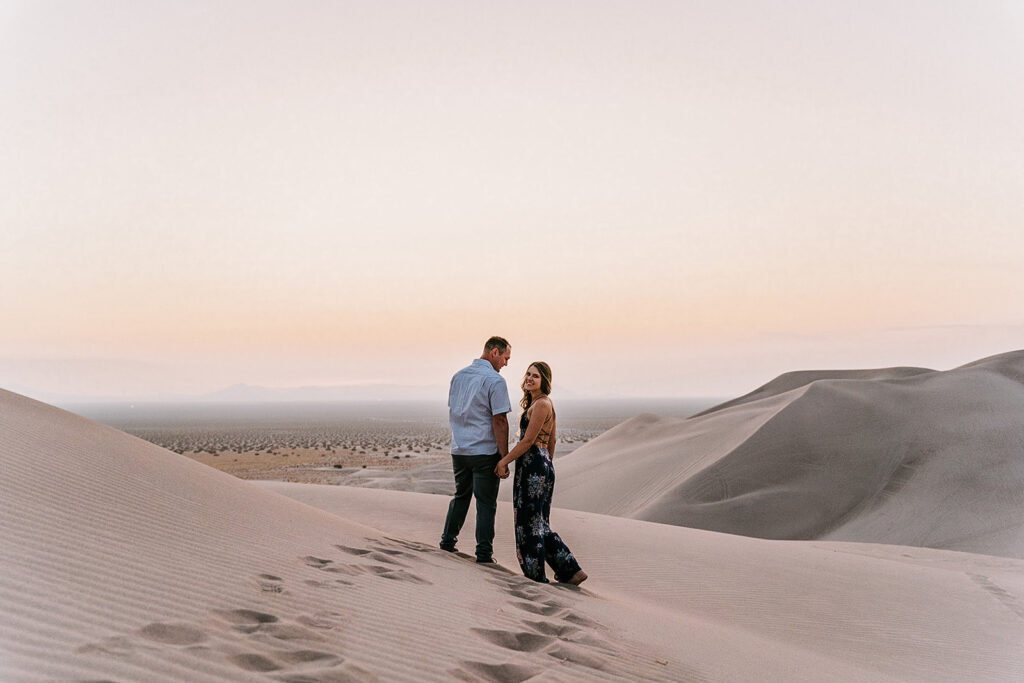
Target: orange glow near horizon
x,y
702,196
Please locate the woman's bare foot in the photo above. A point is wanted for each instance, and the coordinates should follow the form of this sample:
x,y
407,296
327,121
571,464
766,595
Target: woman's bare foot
x,y
578,578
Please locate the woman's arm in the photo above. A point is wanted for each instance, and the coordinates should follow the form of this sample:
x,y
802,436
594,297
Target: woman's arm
x,y
541,411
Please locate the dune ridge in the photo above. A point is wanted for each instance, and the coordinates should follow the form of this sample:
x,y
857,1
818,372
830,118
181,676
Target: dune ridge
x,y
903,456
788,381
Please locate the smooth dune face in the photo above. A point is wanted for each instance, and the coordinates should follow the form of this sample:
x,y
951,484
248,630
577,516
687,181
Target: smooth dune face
x,y
123,561
745,609
903,456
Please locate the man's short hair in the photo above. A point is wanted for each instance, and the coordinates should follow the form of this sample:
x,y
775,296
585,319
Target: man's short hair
x,y
499,343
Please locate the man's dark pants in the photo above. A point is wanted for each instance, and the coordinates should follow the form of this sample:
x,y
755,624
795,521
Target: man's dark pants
x,y
474,476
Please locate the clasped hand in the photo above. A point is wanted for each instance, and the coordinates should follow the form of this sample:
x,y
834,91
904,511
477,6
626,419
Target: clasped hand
x,y
501,470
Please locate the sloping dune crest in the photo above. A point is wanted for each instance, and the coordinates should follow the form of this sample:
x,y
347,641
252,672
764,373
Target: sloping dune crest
x,y
904,456
800,378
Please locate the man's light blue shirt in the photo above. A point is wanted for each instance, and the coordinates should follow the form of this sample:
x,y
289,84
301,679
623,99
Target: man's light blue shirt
x,y
477,393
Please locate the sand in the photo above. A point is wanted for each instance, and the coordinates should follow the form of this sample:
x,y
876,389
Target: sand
x,y
124,561
901,456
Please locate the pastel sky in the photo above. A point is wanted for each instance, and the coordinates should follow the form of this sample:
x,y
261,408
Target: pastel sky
x,y
658,198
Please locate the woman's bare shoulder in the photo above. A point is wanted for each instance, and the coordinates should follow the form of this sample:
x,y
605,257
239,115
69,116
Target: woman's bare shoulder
x,y
543,405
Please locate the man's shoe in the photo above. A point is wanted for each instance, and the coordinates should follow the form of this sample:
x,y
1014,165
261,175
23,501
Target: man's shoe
x,y
485,560
447,548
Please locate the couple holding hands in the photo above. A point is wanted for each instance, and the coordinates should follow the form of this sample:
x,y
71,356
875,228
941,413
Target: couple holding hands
x,y
477,407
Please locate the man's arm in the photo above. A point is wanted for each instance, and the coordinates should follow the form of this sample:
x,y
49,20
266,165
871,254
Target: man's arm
x,y
541,411
499,423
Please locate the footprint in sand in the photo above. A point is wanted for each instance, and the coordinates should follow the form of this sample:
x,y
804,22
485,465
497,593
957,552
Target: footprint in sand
x,y
583,621
554,608
389,551
431,551
316,562
520,642
543,609
411,545
577,655
518,586
268,583
499,673
553,628
353,551
298,663
346,569
307,656
568,632
324,621
245,620
525,593
380,554
336,583
332,568
560,638
391,571
250,622
396,575
290,632
116,646
254,662
173,634
386,559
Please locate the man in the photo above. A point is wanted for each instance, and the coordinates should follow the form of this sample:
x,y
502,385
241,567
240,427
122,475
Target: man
x,y
477,407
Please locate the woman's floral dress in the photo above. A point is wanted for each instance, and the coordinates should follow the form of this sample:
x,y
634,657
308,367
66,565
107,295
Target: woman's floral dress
x,y
536,543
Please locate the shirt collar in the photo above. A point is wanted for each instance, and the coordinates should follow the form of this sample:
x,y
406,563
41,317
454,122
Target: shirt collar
x,y
484,363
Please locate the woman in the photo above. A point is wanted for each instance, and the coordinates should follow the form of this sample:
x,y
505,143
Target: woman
x,y
534,482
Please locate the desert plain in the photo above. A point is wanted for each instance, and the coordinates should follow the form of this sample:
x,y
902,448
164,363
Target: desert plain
x,y
831,525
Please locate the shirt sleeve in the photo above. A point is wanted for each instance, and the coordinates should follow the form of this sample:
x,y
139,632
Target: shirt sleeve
x,y
499,397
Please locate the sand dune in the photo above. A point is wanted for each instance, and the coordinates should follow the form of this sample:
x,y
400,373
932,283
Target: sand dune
x,y
903,456
123,561
800,378
744,609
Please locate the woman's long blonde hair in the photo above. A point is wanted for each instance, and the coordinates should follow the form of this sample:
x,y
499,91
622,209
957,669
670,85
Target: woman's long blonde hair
x,y
545,382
